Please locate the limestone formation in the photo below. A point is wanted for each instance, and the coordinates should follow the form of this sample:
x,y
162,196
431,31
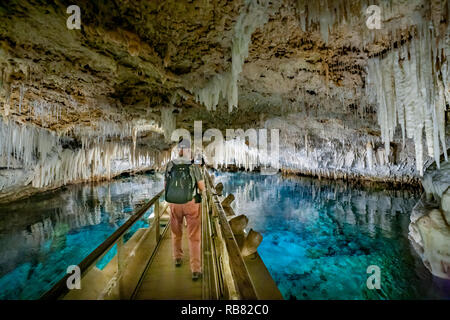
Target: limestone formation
x,y
350,101
430,224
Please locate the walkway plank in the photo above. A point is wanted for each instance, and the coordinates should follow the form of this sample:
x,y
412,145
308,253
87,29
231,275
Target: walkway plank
x,y
164,281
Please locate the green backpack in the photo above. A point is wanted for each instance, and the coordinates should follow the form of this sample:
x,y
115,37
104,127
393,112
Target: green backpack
x,y
180,184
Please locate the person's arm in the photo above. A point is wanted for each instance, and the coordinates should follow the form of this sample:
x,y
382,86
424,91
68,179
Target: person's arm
x,y
199,178
201,185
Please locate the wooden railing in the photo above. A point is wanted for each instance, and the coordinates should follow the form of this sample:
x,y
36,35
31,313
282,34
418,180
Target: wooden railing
x,y
225,275
60,289
234,281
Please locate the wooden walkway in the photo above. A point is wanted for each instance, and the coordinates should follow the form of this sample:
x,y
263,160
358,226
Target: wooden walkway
x,y
144,269
163,281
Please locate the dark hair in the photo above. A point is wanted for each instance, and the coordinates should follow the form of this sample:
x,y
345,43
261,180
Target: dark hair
x,y
184,143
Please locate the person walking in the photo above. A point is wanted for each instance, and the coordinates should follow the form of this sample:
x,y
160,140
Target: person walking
x,y
183,186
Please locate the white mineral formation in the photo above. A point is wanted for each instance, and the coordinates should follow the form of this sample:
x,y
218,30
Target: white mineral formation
x,y
237,152
39,158
411,85
168,122
429,230
254,14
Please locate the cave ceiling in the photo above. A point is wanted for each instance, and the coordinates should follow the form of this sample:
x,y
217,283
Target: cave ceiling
x,y
130,59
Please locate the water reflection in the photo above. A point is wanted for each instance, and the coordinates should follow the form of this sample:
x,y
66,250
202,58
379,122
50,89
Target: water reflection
x,y
42,235
320,236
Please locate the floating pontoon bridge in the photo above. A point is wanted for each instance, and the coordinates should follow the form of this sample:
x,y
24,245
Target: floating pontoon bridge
x,y
143,267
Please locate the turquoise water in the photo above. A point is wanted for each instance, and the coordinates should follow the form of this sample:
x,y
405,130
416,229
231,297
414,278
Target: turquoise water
x,y
319,237
42,235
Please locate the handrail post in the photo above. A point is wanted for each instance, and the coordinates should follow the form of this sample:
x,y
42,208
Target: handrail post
x,y
236,274
156,220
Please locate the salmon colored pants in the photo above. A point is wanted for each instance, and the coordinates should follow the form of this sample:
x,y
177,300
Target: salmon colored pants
x,y
191,211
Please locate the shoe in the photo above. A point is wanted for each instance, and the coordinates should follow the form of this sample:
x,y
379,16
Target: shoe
x,y
178,262
196,276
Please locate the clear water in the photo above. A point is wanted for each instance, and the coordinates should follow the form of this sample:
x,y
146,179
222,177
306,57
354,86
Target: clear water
x,y
320,237
42,235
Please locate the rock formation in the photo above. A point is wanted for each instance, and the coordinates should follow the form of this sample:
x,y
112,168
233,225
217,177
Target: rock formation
x,y
350,100
429,230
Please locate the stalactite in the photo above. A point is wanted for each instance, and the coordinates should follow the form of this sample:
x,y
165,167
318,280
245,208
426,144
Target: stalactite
x,y
369,152
168,122
41,151
254,14
237,152
21,95
39,110
410,92
24,143
99,162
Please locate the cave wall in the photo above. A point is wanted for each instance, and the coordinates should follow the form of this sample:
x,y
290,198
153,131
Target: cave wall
x,y
349,101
